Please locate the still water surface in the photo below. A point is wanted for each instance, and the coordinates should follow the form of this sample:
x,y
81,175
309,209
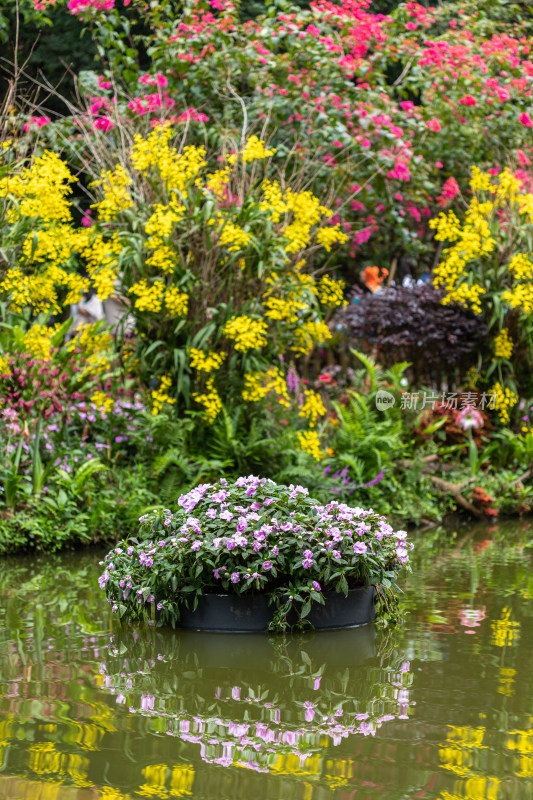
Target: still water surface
x,y
440,707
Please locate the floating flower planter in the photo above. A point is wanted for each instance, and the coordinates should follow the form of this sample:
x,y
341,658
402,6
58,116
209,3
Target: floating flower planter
x,y
255,556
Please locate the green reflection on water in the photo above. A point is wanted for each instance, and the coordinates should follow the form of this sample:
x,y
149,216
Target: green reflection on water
x,y
441,707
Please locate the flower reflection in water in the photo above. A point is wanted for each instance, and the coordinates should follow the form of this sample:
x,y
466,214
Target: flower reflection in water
x,y
251,701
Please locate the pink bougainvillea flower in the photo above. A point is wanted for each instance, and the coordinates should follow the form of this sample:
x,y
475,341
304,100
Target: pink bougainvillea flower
x,y
363,235
526,120
86,220
191,113
468,100
103,124
79,6
37,121
449,191
401,171
433,125
97,103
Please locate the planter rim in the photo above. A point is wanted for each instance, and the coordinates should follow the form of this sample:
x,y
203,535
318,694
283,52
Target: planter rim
x,y
252,613
327,592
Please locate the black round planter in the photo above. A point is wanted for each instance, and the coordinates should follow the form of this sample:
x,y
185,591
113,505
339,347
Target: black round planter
x,y
233,613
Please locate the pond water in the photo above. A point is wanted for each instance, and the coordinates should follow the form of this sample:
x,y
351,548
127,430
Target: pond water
x,y
439,707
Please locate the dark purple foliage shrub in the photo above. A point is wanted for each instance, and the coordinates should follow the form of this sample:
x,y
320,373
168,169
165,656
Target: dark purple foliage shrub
x,y
411,324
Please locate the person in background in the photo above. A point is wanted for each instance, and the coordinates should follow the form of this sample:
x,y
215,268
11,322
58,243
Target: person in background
x,y
89,310
115,309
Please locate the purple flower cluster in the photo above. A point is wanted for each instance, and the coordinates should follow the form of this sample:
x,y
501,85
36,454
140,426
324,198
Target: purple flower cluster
x,y
254,535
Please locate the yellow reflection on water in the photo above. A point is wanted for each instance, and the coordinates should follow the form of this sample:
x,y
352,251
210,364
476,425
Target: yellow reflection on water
x,y
179,780
506,681
293,764
505,631
476,788
45,759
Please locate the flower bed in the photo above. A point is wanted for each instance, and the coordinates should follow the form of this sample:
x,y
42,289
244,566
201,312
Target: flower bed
x,y
251,537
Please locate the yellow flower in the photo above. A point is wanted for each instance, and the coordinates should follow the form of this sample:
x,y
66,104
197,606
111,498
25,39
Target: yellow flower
x,y
480,181
160,397
465,295
114,185
505,400
331,292
210,400
205,361
310,443
102,262
163,259
526,205
521,267
176,301
305,211
308,335
297,292
149,298
234,236
37,341
447,226
273,200
521,296
258,384
246,333
284,309
459,271
155,154
41,189
217,181
503,345
327,237
102,402
163,218
508,185
97,347
4,365
313,407
255,149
